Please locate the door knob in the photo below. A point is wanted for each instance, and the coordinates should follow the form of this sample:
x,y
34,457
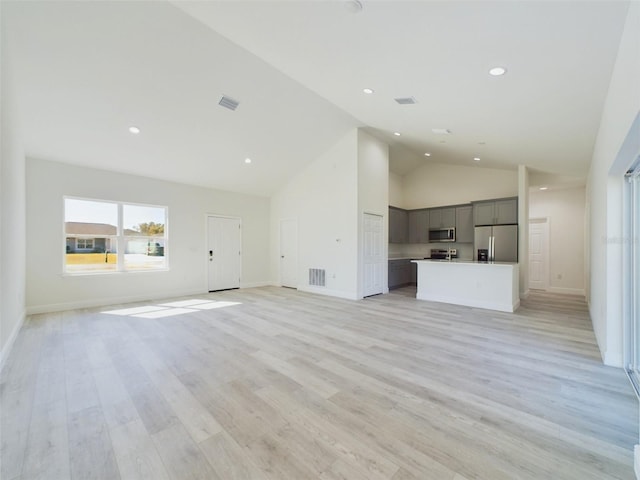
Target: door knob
x,y
281,256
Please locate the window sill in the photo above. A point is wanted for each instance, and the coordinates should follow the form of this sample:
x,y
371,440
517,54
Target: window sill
x,y
123,272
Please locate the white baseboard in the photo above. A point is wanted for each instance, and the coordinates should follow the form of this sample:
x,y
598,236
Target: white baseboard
x,y
612,360
103,302
6,349
636,461
567,291
255,284
328,292
524,295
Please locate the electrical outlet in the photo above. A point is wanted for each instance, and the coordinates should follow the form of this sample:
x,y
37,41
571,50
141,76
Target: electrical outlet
x,y
559,276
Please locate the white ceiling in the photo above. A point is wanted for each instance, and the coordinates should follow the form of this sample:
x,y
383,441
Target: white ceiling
x,y
89,70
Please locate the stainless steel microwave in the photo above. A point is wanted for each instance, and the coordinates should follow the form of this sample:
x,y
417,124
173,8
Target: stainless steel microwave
x,y
442,234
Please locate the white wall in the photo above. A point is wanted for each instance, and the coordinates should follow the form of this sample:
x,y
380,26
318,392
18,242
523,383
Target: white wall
x,y
49,290
396,190
12,214
621,108
565,211
437,184
373,193
324,200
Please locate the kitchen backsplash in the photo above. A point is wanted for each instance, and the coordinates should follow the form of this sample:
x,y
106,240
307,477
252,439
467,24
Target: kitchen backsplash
x,y
465,250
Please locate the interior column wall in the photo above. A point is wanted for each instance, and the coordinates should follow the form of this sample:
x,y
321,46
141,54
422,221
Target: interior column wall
x,y
373,194
523,229
323,199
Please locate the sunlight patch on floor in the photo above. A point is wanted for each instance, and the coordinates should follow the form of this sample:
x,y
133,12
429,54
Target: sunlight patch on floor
x,y
171,309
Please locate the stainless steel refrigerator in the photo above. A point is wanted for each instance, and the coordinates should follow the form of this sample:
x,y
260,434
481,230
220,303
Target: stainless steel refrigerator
x,y
498,242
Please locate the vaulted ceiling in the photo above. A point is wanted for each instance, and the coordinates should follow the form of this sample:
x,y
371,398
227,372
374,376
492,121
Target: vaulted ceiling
x,y
87,71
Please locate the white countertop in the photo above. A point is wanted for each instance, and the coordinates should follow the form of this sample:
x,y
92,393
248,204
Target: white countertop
x,y
459,260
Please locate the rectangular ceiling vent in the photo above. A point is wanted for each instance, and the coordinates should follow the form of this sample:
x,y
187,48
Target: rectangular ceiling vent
x,y
406,100
317,277
228,102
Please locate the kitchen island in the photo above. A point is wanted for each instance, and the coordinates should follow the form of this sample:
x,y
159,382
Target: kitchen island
x,y
490,285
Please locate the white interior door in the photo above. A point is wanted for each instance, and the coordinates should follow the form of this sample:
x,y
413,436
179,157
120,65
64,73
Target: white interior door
x,y
223,253
373,255
289,253
538,254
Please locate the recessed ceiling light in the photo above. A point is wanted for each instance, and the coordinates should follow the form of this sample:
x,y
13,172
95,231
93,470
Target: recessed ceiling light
x,y
368,90
497,71
397,134
134,130
247,160
482,143
543,188
477,159
427,154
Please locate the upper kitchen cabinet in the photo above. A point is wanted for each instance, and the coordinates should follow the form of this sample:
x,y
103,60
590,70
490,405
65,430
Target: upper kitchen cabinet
x,y
398,225
419,226
496,212
464,224
442,217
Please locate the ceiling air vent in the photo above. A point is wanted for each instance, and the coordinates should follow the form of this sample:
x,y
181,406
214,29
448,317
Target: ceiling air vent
x,y
406,100
228,102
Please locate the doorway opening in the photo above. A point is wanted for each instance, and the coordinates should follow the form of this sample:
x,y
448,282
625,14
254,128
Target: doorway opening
x,y
539,253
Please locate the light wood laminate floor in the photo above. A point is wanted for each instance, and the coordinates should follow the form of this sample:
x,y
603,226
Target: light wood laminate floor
x,y
271,383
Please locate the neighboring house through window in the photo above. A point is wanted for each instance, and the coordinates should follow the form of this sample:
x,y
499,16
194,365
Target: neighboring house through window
x,y
103,236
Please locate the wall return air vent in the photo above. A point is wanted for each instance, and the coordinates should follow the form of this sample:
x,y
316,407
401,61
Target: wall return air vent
x,y
228,102
317,277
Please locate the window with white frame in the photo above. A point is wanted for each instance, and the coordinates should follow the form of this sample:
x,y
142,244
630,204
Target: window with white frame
x,y
103,236
84,243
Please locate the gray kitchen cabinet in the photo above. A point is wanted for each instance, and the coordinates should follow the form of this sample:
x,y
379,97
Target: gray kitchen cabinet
x,y
392,275
464,224
419,226
398,225
442,217
483,213
399,273
496,212
506,211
